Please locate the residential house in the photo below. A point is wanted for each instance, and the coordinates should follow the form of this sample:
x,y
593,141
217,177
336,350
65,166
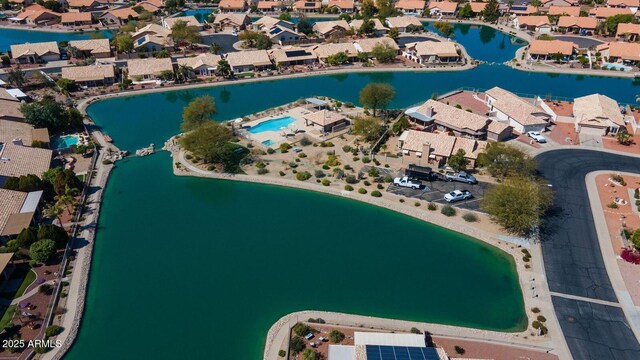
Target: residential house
x,y
564,10
402,23
230,21
270,6
190,20
18,129
308,6
90,76
602,13
16,213
323,51
203,64
597,115
148,6
226,6
253,60
285,36
620,52
9,111
293,55
520,114
549,3
83,5
341,6
539,24
265,24
20,3
628,32
411,6
477,7
548,49
36,15
76,19
524,10
327,121
429,52
573,24
367,45
18,160
152,38
378,28
35,53
97,48
150,69
119,16
436,148
443,8
633,5
328,28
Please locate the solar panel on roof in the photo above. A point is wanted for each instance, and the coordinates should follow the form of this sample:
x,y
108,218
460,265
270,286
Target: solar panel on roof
x,y
275,31
377,352
297,53
309,4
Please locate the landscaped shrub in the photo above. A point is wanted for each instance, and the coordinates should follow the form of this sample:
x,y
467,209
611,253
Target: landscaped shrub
x,y
362,191
302,155
612,205
326,144
262,171
619,179
355,158
348,187
293,165
106,162
380,187
296,344
282,173
376,193
636,193
332,160
448,210
271,151
366,160
301,329
53,330
302,176
470,217
541,318
416,204
366,183
373,172
631,256
535,324
535,310
415,330
526,258
260,165
432,206
282,353
347,148
351,179
318,173
459,350
348,167
326,182
336,336
401,200
284,147
305,141
325,167
388,178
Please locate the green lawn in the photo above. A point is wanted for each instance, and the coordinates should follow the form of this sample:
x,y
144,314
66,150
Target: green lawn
x,y
7,316
30,278
27,275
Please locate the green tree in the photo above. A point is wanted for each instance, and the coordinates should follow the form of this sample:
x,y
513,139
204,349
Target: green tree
x,y
465,12
285,16
215,48
458,161
123,43
310,354
67,199
183,72
42,250
377,96
304,25
65,180
53,6
162,54
66,85
224,69
369,127
502,160
444,27
301,329
336,336
198,112
368,27
182,32
384,53
30,182
16,77
400,126
491,11
623,137
296,344
208,142
337,59
368,9
26,237
557,57
393,33
263,42
53,211
611,23
53,232
517,204
386,9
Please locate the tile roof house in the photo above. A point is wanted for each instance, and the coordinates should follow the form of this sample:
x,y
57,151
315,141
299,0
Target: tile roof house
x,y
597,114
402,23
152,38
546,49
564,10
76,19
307,6
230,21
477,7
444,8
560,2
601,13
36,15
202,64
614,51
98,48
342,6
119,16
10,110
522,115
624,3
270,6
148,69
539,24
18,160
11,129
411,6
327,121
328,28
12,203
32,53
92,75
323,51
191,20
265,23
425,52
379,29
436,148
83,5
292,55
148,6
252,60
524,10
628,32
232,6
577,24
284,36
367,45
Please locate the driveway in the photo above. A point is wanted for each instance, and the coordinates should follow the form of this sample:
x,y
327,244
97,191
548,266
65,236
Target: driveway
x,y
583,42
225,41
584,300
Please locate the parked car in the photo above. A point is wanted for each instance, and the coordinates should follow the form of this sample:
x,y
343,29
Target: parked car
x,y
457,195
461,177
537,137
405,181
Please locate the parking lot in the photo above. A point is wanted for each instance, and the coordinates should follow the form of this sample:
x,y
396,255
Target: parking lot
x,y
434,192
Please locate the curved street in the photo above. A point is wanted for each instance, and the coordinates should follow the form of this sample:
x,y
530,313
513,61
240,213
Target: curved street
x,y
585,302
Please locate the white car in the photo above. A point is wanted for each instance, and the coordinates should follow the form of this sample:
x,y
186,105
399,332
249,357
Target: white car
x,y
406,182
536,136
458,195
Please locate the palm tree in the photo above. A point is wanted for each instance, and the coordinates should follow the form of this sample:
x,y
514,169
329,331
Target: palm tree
x,y
183,73
54,211
68,199
215,48
224,69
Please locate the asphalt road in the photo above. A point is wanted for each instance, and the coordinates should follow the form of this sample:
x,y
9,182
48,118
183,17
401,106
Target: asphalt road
x,y
434,191
573,261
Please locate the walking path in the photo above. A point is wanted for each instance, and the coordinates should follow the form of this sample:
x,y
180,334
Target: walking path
x,y
34,291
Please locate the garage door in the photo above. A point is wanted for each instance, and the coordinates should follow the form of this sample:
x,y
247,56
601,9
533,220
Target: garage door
x,y
591,131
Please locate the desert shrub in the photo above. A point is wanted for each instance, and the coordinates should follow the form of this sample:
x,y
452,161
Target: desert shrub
x,y
366,160
388,178
535,310
619,179
303,176
282,353
336,336
347,148
432,206
53,330
373,172
612,205
470,217
302,155
459,350
271,151
448,210
541,318
282,173
416,204
351,179
348,187
362,191
318,174
326,182
262,171
415,330
366,183
380,187
305,141
376,193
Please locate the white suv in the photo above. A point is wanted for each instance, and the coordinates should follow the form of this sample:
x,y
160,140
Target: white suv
x,y
536,136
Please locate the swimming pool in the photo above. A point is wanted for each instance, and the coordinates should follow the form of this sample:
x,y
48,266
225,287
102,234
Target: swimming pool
x,y
64,142
268,142
272,125
616,66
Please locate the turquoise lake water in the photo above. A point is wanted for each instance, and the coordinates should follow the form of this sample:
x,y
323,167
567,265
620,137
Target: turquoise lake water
x,y
10,37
